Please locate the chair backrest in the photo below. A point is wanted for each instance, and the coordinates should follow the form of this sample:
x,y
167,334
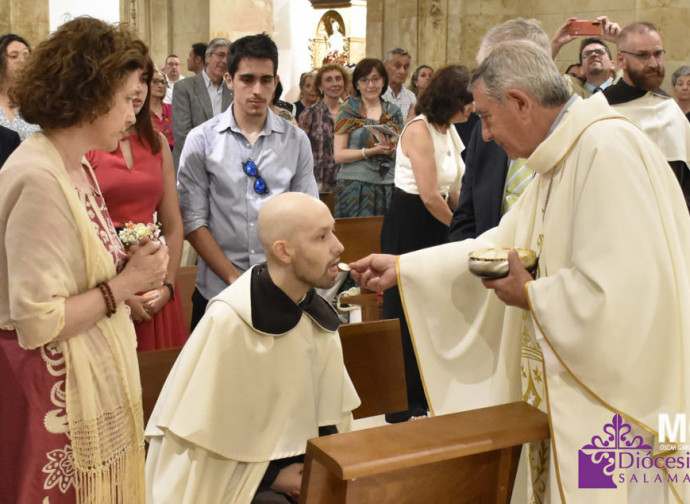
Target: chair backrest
x,y
154,367
374,360
186,280
360,236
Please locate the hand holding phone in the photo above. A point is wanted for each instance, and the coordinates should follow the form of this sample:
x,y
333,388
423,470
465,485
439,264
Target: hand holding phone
x,y
582,27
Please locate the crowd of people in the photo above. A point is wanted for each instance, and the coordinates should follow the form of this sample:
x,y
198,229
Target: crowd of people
x,y
588,168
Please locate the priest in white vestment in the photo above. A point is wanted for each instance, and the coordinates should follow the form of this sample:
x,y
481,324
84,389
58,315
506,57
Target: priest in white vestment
x,y
261,374
600,338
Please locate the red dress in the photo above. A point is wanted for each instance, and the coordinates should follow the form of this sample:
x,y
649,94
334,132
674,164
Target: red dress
x,y
36,461
164,123
134,195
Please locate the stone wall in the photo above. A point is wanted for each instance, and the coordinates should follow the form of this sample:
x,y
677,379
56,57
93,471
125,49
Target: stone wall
x,y
30,19
437,32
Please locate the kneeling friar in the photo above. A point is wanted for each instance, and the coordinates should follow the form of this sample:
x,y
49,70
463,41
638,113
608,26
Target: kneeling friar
x,y
261,374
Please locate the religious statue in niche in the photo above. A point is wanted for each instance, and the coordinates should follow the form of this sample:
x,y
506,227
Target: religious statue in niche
x,y
330,45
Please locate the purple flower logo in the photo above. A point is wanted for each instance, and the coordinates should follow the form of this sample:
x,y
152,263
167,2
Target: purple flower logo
x,y
597,461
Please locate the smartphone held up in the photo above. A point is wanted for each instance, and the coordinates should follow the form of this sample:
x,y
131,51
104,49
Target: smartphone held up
x,y
585,27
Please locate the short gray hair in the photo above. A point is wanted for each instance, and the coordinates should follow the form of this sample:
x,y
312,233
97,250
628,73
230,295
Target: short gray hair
x,y
513,29
684,70
397,50
215,44
523,65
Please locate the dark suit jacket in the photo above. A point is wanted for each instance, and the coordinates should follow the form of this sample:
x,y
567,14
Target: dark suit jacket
x,y
191,106
483,187
9,140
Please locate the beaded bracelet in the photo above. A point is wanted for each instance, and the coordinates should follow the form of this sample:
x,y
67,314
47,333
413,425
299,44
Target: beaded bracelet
x,y
110,306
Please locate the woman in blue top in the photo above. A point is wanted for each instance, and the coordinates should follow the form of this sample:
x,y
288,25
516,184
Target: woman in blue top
x,y
365,181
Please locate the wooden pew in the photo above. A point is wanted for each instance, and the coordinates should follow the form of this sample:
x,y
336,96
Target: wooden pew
x,y
361,236
328,198
186,281
154,367
463,458
373,357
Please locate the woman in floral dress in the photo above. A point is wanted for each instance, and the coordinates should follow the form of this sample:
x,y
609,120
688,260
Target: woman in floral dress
x,y
70,401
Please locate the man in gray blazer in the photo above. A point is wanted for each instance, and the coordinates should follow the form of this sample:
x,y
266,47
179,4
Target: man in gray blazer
x,y
201,97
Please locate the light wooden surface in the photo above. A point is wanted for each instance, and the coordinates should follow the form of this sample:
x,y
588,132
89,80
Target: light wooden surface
x,y
463,458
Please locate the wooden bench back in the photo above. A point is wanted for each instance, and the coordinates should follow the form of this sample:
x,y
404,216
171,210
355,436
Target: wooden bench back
x,y
360,236
328,198
154,367
186,281
373,357
463,458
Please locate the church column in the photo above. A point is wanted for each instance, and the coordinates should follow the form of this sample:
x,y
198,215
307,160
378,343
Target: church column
x,y
28,19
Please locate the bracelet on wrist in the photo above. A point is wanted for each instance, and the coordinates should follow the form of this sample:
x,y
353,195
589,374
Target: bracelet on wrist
x,y
110,305
364,153
171,289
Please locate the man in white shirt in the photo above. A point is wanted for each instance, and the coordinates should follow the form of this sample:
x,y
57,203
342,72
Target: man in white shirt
x,y
172,71
397,65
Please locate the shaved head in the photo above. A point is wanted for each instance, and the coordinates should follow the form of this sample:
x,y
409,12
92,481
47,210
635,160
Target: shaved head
x,y
302,251
284,216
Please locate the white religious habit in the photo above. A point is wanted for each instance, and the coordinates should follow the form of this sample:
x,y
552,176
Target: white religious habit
x,y
658,115
604,347
252,384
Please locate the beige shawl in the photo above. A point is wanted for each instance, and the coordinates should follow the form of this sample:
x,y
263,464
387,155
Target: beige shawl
x,y
50,252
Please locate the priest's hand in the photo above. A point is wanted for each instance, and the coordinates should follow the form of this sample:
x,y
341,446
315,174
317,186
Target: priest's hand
x,y
376,272
289,480
511,289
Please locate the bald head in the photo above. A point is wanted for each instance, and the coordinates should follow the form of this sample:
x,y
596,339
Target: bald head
x,y
286,215
302,251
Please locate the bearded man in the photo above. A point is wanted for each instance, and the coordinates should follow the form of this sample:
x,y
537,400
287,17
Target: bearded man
x,y
639,97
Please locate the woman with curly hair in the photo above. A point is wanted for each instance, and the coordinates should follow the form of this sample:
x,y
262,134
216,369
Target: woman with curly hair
x,y
70,402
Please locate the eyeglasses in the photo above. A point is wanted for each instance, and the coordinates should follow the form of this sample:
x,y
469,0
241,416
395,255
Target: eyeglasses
x,y
221,55
645,55
158,81
598,52
251,170
372,80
